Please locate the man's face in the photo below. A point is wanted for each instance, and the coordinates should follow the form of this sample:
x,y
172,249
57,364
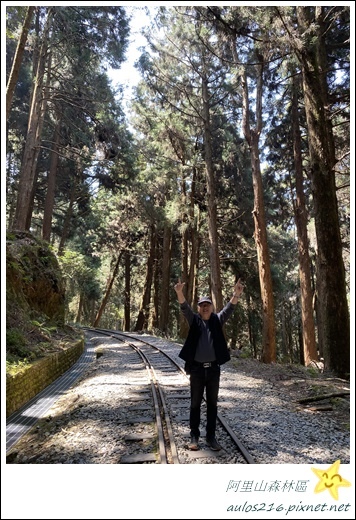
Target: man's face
x,y
205,309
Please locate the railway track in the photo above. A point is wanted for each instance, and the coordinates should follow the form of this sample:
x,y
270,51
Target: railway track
x,y
153,410
171,387
96,412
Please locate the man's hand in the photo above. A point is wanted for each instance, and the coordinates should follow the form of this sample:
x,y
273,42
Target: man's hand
x,y
179,286
238,290
179,290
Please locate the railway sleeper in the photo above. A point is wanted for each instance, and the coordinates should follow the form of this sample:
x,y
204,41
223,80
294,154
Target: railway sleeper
x,y
138,458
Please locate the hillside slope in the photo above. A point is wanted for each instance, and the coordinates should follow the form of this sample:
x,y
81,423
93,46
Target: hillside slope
x,y
35,301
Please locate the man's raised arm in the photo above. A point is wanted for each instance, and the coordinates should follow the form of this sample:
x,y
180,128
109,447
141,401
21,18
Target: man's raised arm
x,y
179,290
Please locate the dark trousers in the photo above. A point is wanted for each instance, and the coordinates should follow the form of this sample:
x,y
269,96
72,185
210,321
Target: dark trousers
x,y
209,379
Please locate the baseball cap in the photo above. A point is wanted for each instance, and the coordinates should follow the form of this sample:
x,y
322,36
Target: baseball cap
x,y
204,299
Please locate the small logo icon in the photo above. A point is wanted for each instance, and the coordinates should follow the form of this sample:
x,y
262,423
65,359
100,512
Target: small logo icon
x,y
330,479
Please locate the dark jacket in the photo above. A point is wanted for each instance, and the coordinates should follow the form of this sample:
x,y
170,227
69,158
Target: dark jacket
x,y
220,346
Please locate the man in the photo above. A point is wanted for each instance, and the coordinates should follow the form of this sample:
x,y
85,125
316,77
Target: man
x,y
204,350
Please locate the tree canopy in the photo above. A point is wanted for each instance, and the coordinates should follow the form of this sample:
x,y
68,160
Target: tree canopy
x,y
231,160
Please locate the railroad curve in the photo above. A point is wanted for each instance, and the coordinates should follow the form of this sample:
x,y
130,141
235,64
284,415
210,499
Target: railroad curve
x,y
82,418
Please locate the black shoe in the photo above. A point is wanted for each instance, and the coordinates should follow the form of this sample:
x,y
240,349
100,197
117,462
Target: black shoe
x,y
213,443
194,443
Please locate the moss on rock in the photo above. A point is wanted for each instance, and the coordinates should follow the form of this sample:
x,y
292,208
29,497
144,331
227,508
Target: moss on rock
x,y
35,300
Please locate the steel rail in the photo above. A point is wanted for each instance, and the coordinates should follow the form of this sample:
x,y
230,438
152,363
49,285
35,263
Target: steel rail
x,y
158,395
174,452
240,446
165,415
23,419
159,426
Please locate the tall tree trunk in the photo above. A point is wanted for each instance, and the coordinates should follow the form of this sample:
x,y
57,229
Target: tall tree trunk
x,y
108,292
127,316
284,349
51,185
154,315
194,237
67,220
215,275
289,329
300,343
264,269
165,286
235,319
91,313
316,305
252,137
28,169
183,324
38,141
190,251
80,307
251,326
334,326
142,318
301,221
16,64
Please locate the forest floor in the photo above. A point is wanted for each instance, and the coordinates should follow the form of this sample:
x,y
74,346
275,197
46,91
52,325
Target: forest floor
x,y
269,394
312,389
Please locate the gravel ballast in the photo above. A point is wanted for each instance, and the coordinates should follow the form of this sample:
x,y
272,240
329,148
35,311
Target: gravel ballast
x,y
261,403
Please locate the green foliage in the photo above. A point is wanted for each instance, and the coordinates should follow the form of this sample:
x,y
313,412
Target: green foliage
x,y
43,328
18,352
80,276
34,306
16,341
122,182
14,365
313,371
